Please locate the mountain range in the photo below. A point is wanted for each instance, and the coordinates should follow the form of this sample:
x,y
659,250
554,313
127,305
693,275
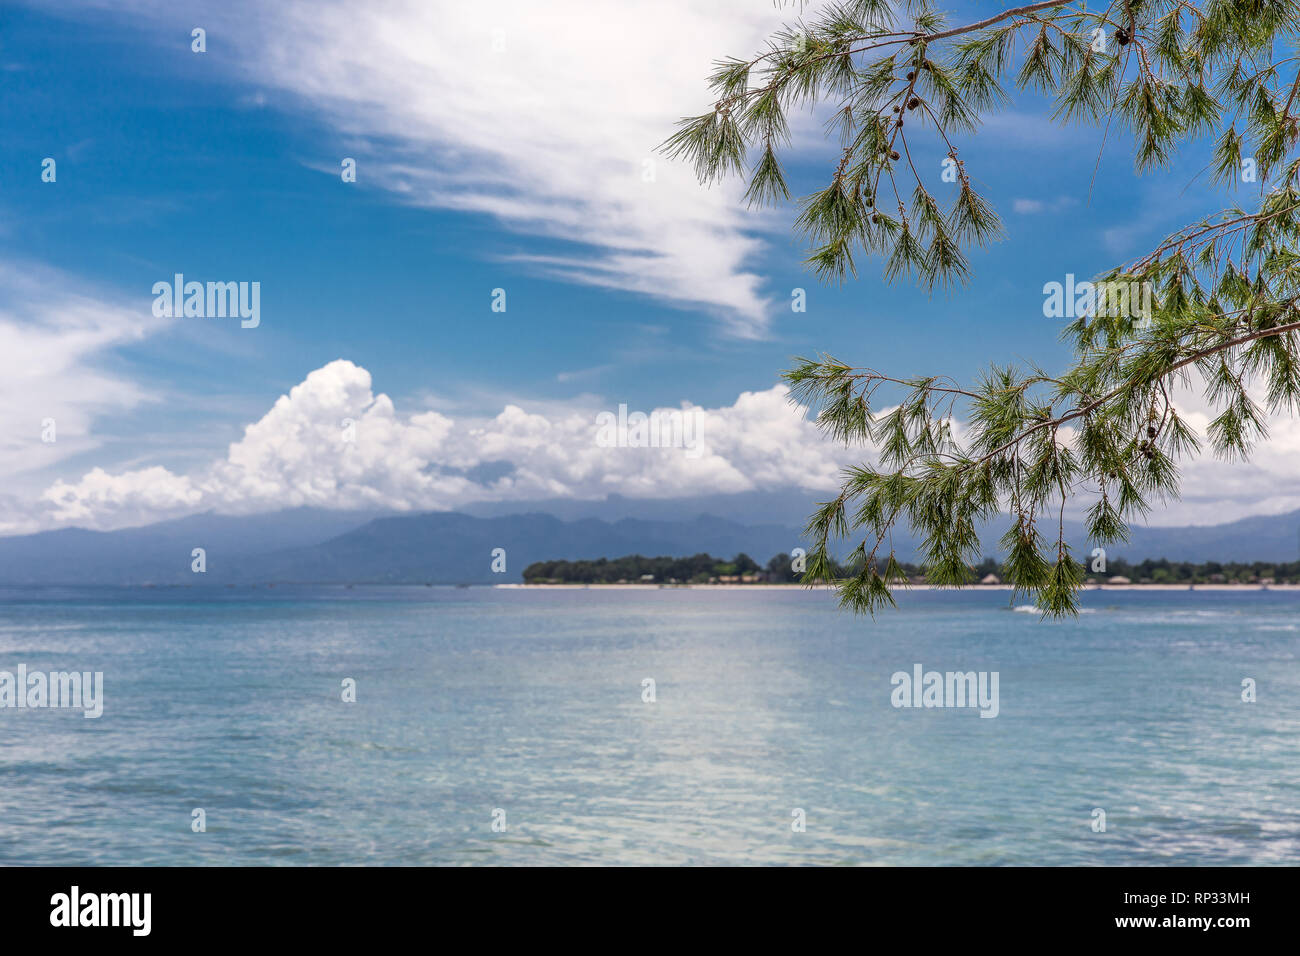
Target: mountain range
x,y
306,545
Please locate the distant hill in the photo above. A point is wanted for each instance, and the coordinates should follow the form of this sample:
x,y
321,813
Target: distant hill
x,y
161,551
316,546
308,546
1267,538
447,547
1270,538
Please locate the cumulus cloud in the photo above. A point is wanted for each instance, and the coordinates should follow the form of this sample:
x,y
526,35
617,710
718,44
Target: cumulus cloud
x,y
1215,491
334,442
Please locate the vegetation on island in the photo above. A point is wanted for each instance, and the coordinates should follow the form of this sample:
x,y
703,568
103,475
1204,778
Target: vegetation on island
x,y
635,569
742,570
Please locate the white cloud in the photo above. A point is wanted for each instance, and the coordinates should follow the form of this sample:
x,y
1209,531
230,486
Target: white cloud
x,y
543,115
55,339
1214,491
130,497
296,454
299,453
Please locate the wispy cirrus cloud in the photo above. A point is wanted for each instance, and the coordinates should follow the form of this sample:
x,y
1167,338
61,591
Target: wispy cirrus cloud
x,y
56,336
545,116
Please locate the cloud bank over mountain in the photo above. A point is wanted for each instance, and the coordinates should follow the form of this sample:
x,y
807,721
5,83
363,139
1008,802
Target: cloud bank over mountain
x,y
334,442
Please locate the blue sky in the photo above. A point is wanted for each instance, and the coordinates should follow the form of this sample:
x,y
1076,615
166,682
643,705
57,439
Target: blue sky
x,y
224,166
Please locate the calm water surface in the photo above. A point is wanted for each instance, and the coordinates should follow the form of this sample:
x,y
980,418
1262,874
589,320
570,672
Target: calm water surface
x,y
469,700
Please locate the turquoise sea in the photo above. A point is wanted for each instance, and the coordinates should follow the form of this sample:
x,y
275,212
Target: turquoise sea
x,y
473,701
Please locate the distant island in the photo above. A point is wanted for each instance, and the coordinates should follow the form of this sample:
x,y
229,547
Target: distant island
x,y
742,570
312,546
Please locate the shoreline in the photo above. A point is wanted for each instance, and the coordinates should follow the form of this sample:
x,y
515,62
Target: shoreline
x,y
899,587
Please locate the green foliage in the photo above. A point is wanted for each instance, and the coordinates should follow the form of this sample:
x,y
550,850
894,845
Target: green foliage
x,y
698,568
702,568
1210,572
1223,291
